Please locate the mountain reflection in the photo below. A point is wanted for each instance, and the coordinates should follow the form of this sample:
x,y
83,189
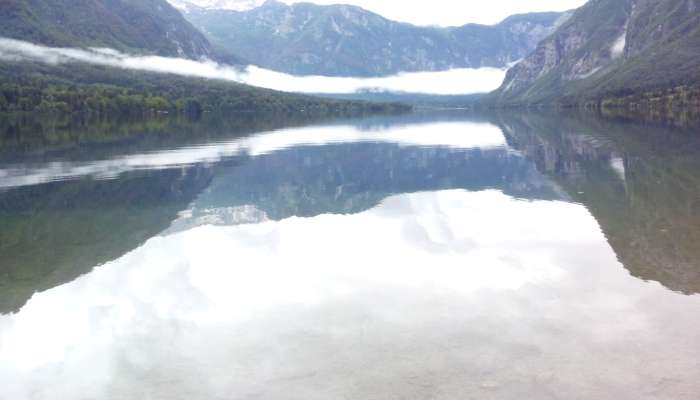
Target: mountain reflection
x,y
64,213
428,256
351,178
53,233
638,180
428,287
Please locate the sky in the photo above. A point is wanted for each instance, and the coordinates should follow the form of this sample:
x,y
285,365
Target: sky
x,y
433,12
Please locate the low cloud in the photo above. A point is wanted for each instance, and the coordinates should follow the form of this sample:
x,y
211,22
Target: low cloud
x,y
11,49
452,82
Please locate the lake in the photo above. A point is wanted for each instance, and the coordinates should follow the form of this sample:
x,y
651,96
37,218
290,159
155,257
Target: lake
x,y
433,255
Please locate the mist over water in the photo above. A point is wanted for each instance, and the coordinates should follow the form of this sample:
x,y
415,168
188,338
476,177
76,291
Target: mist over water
x,y
452,82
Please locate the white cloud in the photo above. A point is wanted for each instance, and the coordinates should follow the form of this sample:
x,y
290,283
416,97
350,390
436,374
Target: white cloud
x,y
458,81
452,82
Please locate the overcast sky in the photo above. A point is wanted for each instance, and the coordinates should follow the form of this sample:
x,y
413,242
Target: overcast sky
x,y
426,12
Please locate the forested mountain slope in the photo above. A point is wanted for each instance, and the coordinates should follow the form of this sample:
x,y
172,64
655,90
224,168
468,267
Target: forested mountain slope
x,y
152,26
133,27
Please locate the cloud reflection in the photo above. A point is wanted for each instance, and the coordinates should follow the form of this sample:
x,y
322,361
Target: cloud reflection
x,y
455,135
447,294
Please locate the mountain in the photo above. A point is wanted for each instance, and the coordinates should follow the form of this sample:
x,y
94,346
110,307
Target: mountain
x,y
610,50
106,92
237,5
152,26
134,27
341,40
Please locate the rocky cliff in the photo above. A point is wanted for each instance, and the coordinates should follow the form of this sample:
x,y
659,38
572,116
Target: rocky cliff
x,y
610,49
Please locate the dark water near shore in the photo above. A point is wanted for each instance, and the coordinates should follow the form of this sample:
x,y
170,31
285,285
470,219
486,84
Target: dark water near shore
x,y
432,255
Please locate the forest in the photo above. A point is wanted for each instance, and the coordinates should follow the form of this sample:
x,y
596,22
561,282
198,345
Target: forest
x,y
105,91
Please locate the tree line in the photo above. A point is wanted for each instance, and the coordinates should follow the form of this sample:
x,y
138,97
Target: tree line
x,y
92,90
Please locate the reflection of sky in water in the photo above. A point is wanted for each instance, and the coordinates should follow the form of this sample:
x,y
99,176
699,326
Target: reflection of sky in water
x,y
444,293
455,135
448,294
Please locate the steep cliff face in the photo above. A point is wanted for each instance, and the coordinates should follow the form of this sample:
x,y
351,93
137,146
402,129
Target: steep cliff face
x,y
611,48
309,39
584,45
130,25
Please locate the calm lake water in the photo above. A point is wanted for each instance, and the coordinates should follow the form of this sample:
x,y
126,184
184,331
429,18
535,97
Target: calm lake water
x,y
441,255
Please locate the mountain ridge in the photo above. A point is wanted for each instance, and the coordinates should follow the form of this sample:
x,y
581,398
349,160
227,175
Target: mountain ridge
x,y
343,40
151,26
133,27
612,49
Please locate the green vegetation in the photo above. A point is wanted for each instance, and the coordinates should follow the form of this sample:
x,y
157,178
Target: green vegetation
x,y
24,135
99,91
150,26
657,69
552,73
147,26
663,51
679,106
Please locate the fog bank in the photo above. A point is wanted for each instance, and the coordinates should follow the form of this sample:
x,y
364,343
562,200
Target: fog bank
x,y
452,82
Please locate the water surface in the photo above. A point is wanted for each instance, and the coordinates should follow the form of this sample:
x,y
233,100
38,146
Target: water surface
x,y
434,255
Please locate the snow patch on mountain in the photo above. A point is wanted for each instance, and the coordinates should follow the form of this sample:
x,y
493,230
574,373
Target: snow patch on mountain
x,y
235,5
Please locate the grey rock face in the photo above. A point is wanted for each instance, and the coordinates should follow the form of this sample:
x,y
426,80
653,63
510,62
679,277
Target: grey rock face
x,y
578,49
308,39
608,49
